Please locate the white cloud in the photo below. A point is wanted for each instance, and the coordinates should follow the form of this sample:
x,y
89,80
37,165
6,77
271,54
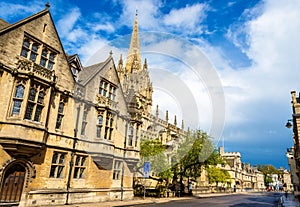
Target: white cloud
x,y
93,51
67,23
103,27
9,10
148,13
261,92
188,17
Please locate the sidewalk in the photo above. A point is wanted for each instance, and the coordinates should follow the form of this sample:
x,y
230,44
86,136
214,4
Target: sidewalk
x,y
288,201
147,200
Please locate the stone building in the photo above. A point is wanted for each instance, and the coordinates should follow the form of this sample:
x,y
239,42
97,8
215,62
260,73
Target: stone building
x,y
292,164
294,153
285,180
243,176
70,133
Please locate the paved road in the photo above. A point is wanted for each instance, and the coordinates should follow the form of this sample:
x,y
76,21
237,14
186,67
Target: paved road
x,y
234,200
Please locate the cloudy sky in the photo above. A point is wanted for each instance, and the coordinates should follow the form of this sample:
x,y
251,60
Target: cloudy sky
x,y
226,67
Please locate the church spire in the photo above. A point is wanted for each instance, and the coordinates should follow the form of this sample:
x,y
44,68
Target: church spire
x,y
134,56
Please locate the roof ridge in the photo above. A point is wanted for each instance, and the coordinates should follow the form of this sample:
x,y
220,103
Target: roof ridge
x,y
22,21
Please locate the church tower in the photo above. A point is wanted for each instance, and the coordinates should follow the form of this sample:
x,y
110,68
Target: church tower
x,y
134,76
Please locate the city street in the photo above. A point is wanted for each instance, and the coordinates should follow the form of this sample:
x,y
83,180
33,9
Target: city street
x,y
235,200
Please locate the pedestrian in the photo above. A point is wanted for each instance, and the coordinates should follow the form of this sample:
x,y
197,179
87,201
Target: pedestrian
x,y
190,188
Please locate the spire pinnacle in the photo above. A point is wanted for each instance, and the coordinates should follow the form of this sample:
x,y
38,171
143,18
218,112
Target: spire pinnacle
x,y
120,65
134,56
167,116
145,67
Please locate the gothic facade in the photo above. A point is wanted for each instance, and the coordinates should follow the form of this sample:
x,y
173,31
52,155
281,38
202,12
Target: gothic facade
x,y
70,133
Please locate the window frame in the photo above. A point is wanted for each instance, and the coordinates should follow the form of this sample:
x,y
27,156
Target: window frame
x,y
34,105
37,55
107,89
18,99
108,129
136,135
130,135
99,125
60,114
117,170
57,167
80,167
84,121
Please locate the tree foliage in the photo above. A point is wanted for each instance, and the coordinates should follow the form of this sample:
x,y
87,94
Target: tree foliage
x,y
153,151
217,175
194,152
150,148
268,171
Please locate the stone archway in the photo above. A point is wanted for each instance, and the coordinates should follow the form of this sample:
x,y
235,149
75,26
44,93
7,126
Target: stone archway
x,y
12,183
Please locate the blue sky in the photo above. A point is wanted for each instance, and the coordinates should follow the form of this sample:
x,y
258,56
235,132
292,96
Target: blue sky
x,y
252,47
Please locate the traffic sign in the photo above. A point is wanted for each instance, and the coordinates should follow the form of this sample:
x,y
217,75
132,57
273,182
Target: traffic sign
x,y
146,169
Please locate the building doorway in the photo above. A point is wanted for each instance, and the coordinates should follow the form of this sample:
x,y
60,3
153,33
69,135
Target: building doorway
x,y
12,184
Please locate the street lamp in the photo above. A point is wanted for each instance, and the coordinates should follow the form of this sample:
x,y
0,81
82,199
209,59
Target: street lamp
x,y
289,124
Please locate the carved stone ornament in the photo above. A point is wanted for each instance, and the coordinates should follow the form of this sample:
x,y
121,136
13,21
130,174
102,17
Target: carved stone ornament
x,y
35,69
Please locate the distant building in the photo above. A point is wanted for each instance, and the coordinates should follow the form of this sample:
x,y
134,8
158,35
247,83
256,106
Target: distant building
x,y
243,176
285,181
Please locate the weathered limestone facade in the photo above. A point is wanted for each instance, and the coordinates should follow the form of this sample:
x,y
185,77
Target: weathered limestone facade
x,y
294,154
292,164
70,134
243,176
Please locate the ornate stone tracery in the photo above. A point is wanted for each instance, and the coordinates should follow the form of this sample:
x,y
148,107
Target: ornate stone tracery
x,y
35,69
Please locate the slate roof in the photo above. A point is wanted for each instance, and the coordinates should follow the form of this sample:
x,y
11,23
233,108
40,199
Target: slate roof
x,y
88,72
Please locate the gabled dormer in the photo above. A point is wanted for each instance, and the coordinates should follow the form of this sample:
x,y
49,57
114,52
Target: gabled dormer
x,y
37,80
34,49
75,64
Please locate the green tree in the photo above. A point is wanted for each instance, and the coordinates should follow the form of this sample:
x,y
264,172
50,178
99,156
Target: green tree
x,y
150,148
268,171
195,150
217,175
154,152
